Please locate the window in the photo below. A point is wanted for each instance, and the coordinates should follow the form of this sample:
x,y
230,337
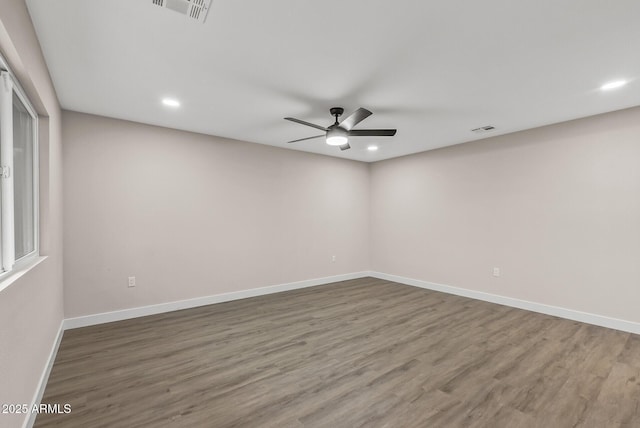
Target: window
x,y
18,174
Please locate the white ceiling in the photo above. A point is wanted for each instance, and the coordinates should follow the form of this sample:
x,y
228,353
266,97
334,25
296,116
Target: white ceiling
x,y
432,69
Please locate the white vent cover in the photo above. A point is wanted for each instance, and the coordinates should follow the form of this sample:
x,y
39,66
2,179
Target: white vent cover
x,y
193,9
483,129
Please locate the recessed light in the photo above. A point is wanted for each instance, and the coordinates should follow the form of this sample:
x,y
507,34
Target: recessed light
x,y
613,85
372,148
170,102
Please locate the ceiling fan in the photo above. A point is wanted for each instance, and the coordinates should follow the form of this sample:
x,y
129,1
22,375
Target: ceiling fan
x,y
338,134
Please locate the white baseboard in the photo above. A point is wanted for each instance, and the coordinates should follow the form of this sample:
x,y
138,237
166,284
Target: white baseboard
x,y
105,317
142,311
599,320
37,398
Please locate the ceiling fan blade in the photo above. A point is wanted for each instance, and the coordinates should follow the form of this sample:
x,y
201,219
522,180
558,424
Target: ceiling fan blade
x,y
355,118
373,133
345,146
302,122
308,138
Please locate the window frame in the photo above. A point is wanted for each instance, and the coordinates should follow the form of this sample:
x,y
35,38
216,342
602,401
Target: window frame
x,y
33,256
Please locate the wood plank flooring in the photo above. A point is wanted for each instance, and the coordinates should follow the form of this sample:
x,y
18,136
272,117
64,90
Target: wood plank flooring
x,y
361,353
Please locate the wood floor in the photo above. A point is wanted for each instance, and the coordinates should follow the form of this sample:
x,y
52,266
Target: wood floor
x,y
365,353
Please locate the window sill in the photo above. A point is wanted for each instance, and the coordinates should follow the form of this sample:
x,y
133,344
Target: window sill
x,y
19,270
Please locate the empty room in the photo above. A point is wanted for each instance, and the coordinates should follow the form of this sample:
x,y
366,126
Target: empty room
x,y
220,213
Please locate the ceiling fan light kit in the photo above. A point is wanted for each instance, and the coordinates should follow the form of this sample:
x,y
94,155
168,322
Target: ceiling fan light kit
x,y
337,136
339,132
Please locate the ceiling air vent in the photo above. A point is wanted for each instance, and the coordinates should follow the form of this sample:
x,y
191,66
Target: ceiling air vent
x,y
193,9
483,129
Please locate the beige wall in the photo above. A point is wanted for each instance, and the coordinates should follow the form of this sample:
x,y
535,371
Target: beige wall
x,y
556,208
31,308
191,215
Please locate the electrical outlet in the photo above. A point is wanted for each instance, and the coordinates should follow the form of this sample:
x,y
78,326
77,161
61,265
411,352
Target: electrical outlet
x,y
496,271
333,259
132,281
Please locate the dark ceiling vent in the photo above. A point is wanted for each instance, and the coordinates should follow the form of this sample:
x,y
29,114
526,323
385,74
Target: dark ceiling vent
x,y
192,9
483,129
